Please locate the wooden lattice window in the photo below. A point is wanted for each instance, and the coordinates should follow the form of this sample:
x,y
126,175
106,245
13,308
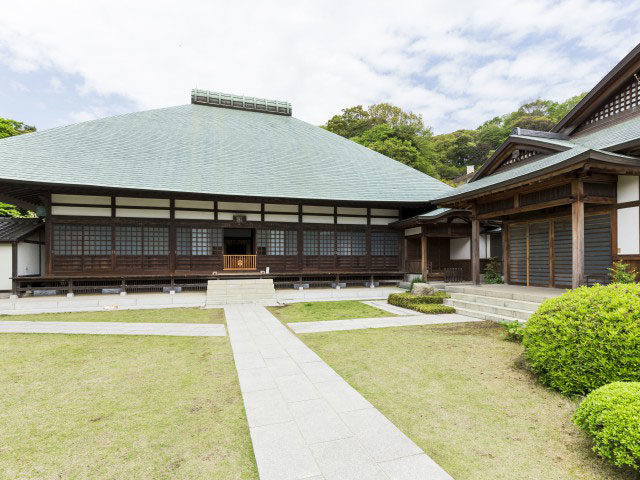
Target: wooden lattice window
x,y
384,244
626,98
351,243
310,242
546,195
291,242
67,239
156,241
128,240
326,243
271,242
198,241
97,240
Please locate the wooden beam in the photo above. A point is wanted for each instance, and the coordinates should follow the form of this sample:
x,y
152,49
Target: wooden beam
x,y
577,233
475,246
423,258
505,252
528,208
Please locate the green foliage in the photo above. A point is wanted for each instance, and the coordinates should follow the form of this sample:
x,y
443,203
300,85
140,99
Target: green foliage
x,y
610,415
586,338
432,308
492,274
513,331
622,273
420,302
403,136
9,128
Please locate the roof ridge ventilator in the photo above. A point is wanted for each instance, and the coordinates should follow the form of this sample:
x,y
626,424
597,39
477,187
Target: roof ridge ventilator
x,y
240,102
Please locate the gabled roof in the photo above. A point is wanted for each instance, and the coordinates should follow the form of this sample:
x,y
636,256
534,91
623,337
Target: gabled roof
x,y
15,229
211,150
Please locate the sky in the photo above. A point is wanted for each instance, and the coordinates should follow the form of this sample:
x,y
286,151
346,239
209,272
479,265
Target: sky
x,y
458,63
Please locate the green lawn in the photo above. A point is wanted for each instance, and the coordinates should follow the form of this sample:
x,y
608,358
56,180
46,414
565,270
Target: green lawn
x,y
164,315
105,407
462,394
316,311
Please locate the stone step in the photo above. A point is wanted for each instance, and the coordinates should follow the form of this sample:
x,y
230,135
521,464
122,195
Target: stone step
x,y
498,293
496,301
256,291
485,315
485,308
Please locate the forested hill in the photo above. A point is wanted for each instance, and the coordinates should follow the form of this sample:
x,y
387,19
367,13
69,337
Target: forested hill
x,y
403,136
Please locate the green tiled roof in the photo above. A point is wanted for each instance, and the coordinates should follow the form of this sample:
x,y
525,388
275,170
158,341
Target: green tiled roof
x,y
211,150
596,142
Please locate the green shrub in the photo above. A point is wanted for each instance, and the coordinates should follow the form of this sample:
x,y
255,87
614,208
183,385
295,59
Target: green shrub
x,y
622,273
432,308
513,331
492,273
406,300
586,338
611,417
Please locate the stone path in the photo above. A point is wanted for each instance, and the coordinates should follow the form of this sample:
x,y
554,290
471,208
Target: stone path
x,y
116,328
305,421
380,322
387,307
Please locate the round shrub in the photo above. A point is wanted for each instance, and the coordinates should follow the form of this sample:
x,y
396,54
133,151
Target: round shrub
x,y
586,338
611,417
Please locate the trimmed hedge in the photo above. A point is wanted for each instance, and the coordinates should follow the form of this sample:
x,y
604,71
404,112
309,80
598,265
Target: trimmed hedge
x,y
586,338
611,417
432,308
421,303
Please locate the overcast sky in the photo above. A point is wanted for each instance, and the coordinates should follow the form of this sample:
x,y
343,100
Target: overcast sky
x,y
457,63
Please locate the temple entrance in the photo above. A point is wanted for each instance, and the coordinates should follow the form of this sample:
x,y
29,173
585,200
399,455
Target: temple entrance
x,y
239,251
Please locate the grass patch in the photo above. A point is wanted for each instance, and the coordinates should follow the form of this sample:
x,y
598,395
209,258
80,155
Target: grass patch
x,y
104,407
318,311
161,315
462,394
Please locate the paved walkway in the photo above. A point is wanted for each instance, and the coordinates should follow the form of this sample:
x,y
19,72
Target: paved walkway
x,y
305,421
380,322
387,307
116,328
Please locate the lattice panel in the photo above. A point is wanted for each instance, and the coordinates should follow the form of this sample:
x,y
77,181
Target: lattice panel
x,y
623,100
519,156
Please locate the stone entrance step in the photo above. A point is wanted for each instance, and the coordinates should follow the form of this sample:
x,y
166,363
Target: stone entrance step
x,y
257,291
498,304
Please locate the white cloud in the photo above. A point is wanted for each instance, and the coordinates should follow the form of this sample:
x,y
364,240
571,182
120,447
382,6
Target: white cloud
x,y
457,63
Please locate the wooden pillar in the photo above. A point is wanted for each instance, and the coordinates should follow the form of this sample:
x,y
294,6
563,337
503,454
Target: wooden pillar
x,y
577,233
423,255
475,247
505,252
14,268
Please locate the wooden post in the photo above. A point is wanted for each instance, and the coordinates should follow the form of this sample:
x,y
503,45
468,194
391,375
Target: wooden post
x,y
423,257
505,252
577,233
14,268
475,246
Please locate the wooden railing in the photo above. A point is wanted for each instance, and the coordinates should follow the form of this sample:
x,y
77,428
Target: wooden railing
x,y
239,262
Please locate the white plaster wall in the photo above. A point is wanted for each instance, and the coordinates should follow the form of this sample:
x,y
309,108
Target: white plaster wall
x,y
252,207
352,211
28,258
387,212
81,199
82,211
195,215
460,248
382,221
317,219
194,204
141,213
142,202
5,266
629,231
352,220
316,209
275,217
412,231
278,207
628,188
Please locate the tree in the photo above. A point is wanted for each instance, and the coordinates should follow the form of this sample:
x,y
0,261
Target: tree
x,y
10,128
